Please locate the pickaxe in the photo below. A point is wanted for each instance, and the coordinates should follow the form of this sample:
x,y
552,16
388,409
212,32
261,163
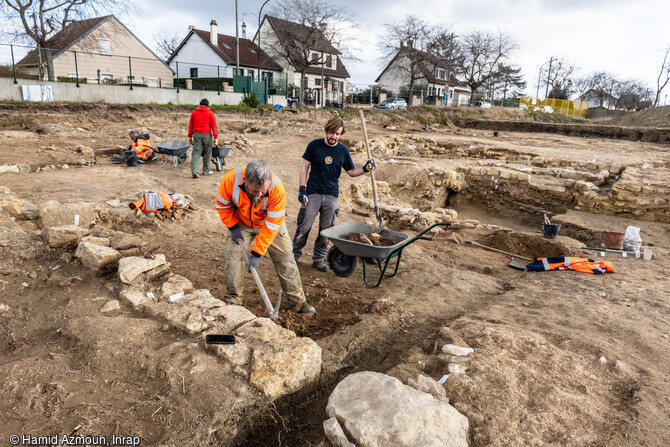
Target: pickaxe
x,y
272,311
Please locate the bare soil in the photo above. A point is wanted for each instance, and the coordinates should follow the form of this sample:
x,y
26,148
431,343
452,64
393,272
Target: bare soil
x,y
561,358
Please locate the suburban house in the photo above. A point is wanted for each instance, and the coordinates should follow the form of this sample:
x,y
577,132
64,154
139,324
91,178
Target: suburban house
x,y
599,99
431,75
98,50
298,48
208,54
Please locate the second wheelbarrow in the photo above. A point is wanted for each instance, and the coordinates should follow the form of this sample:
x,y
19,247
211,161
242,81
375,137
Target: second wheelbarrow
x,y
343,255
175,150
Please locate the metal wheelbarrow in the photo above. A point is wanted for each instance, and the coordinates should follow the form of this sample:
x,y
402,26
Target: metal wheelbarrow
x,y
343,255
219,156
174,151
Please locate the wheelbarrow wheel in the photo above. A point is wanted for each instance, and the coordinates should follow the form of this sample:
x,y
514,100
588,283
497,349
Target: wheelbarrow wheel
x,y
183,158
341,264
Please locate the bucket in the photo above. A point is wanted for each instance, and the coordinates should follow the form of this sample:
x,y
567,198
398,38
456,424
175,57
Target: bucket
x,y
496,134
613,240
551,230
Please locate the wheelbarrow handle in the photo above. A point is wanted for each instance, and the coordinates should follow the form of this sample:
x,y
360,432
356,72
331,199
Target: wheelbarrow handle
x,y
425,238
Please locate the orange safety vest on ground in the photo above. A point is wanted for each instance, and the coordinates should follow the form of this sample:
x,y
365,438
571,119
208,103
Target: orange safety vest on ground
x,y
142,148
584,265
153,201
233,206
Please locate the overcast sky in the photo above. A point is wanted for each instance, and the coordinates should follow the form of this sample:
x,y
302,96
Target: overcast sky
x,y
626,38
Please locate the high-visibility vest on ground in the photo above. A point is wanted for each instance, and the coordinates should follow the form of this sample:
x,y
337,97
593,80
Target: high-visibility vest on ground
x,y
234,205
584,265
153,201
142,147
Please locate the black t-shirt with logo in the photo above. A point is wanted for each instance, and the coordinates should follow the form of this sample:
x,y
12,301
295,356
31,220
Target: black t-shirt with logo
x,y
327,165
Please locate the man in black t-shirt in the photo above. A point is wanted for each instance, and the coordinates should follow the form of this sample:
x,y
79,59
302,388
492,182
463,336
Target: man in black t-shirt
x,y
324,159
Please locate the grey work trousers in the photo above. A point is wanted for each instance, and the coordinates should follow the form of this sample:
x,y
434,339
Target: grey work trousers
x,y
326,207
281,256
202,145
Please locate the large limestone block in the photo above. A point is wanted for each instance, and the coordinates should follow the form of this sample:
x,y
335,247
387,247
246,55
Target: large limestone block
x,y
230,317
200,299
185,318
175,284
284,366
378,410
97,257
133,269
134,297
64,235
54,213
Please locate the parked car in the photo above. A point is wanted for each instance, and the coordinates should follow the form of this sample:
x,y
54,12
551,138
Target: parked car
x,y
482,104
393,103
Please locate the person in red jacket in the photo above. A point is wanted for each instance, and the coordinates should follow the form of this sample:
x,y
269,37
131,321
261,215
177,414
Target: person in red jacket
x,y
201,128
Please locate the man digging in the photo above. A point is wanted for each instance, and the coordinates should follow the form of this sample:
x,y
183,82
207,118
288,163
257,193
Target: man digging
x,y
251,202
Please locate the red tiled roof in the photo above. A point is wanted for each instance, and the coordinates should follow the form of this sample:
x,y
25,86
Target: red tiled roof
x,y
247,57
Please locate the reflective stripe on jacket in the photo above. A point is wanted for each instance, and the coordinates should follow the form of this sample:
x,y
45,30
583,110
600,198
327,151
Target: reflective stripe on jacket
x,y
153,201
234,205
584,265
143,149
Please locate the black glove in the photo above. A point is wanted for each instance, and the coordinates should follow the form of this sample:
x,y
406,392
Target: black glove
x,y
253,261
236,234
302,195
369,166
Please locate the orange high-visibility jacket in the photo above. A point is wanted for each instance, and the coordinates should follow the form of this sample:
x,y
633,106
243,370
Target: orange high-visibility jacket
x,y
142,148
153,201
584,265
233,206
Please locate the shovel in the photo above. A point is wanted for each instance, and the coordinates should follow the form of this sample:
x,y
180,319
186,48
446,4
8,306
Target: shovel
x,y
458,240
272,311
379,226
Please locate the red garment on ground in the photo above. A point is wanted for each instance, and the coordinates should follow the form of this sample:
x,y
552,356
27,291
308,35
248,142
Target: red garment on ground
x,y
202,121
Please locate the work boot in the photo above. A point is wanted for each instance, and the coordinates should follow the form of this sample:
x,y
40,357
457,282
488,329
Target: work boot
x,y
320,265
307,309
207,173
196,175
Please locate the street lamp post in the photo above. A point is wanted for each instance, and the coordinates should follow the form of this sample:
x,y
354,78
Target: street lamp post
x,y
539,76
259,39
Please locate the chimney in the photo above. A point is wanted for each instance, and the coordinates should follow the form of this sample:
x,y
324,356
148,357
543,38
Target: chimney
x,y
191,27
244,30
213,33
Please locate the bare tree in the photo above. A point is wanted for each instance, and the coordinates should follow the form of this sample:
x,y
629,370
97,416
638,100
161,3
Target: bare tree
x,y
632,95
405,50
39,20
663,77
558,78
316,31
166,43
483,51
601,84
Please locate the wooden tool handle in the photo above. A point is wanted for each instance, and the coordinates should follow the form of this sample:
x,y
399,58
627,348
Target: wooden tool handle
x,y
367,148
259,284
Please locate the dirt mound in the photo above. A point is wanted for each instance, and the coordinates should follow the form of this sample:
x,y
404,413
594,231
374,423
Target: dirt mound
x,y
532,245
656,117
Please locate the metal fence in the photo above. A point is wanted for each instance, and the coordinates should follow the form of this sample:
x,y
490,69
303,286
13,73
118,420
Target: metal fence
x,y
81,67
562,106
